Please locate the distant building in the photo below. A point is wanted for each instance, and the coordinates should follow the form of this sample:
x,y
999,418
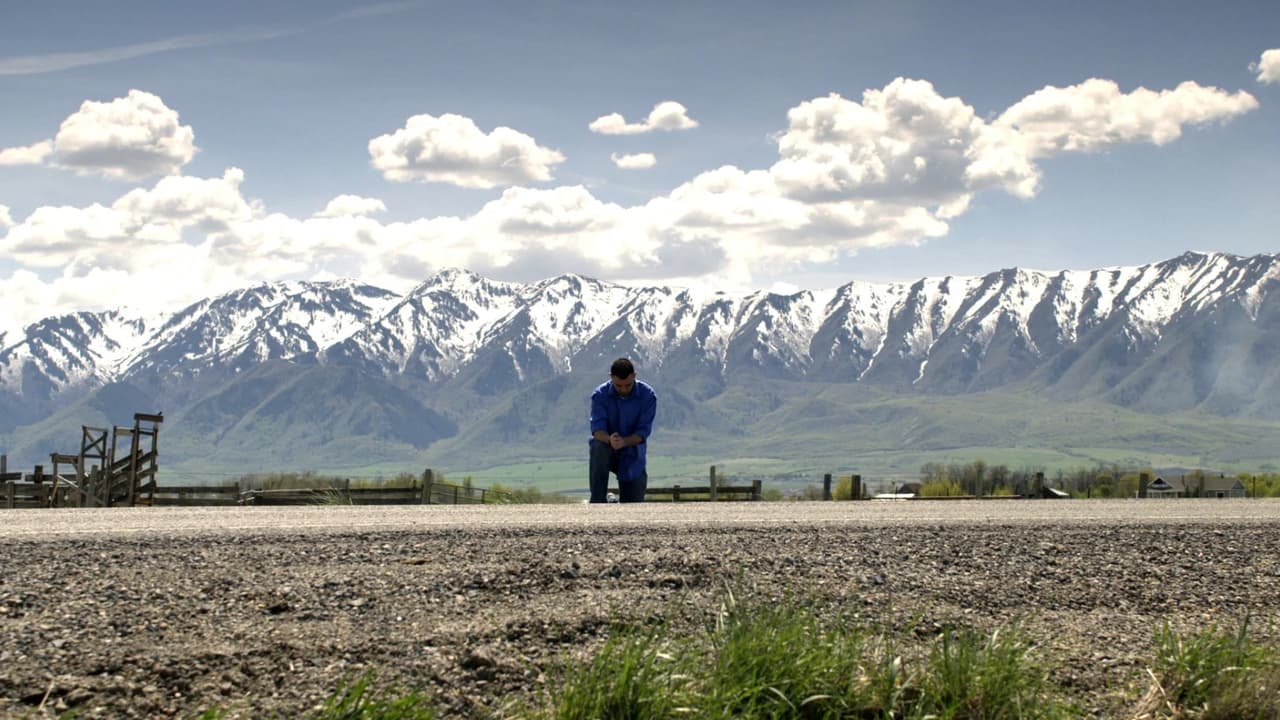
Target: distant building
x,y
1210,487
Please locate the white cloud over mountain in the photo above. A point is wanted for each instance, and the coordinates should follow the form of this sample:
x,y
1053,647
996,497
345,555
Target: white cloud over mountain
x,y
129,138
892,168
1096,114
452,149
666,115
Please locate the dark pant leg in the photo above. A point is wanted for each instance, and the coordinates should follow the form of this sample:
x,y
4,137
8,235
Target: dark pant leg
x,y
598,470
633,490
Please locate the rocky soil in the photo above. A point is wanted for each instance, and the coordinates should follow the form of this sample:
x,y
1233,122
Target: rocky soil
x,y
165,613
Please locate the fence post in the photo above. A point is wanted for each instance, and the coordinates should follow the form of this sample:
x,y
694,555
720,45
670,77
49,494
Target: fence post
x,y
1039,484
826,486
1143,480
856,488
714,490
4,464
675,493
755,489
428,478
9,493
37,477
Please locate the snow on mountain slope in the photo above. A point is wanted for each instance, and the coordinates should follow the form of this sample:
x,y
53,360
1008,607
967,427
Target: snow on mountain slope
x,y
273,321
900,333
561,314
430,331
71,350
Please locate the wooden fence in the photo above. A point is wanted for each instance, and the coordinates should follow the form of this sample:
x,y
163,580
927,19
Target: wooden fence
x,y
713,491
35,491
18,495
708,492
196,495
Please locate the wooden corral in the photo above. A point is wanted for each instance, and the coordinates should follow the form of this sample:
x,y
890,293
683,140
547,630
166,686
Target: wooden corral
x,y
102,474
132,473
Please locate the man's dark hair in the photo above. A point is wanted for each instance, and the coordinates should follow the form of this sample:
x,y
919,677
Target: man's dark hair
x,y
622,368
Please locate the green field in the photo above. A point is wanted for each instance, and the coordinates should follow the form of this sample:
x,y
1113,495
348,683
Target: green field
x,y
834,430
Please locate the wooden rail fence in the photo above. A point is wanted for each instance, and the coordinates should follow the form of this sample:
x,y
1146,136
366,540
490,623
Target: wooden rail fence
x,y
19,495
37,490
692,493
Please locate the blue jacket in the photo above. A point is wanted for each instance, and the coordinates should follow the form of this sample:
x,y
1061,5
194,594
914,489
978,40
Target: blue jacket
x,y
630,415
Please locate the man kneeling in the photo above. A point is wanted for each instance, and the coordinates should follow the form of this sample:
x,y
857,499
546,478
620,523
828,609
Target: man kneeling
x,y
622,413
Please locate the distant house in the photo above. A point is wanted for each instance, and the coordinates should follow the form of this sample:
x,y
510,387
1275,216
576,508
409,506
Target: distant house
x,y
1162,488
1191,486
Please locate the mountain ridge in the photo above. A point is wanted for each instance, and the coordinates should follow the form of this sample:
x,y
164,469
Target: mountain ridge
x,y
1195,333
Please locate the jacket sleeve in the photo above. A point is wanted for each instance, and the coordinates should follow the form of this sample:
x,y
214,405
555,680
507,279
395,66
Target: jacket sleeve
x,y
599,413
644,424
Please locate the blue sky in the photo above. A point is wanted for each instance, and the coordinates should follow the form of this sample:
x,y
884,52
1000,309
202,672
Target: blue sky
x,y
156,152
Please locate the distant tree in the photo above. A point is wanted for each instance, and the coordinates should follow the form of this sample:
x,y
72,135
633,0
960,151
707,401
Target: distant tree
x,y
941,488
932,471
844,488
1060,480
1000,476
1128,485
976,475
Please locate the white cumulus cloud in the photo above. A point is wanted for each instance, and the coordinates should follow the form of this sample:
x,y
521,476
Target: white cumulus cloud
x,y
1268,67
666,115
905,142
1096,113
352,205
637,161
452,149
129,138
33,154
564,210
893,167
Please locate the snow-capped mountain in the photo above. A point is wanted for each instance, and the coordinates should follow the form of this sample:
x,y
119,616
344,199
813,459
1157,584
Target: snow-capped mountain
x,y
235,331
1196,331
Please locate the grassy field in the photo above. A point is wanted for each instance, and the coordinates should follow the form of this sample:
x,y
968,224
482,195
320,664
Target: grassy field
x,y
837,432
782,661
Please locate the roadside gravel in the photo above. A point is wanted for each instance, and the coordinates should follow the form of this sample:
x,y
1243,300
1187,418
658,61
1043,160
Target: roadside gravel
x,y
264,611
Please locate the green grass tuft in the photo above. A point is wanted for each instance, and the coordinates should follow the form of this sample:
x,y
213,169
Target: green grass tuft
x,y
360,701
632,677
1213,675
781,660
971,675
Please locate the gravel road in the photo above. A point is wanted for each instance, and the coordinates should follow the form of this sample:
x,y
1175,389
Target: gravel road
x,y
165,612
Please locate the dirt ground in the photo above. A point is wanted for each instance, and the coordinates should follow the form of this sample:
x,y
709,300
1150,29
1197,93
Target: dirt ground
x,y
168,612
